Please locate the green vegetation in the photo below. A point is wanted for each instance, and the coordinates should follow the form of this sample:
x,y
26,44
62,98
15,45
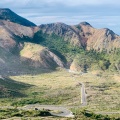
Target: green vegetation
x,y
80,114
91,60
8,113
101,78
102,91
83,114
102,86
87,60
57,45
49,100
48,92
11,88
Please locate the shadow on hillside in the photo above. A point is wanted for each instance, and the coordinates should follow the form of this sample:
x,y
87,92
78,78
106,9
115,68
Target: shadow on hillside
x,y
10,88
19,72
15,67
12,64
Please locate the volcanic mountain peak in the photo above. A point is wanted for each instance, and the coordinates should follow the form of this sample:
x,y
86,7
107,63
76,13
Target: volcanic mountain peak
x,y
2,10
108,31
7,14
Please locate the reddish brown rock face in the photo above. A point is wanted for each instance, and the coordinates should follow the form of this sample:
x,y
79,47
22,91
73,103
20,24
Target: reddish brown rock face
x,y
84,35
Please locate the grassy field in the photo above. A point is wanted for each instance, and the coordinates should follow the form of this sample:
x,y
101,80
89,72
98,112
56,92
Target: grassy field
x,y
48,88
103,91
61,88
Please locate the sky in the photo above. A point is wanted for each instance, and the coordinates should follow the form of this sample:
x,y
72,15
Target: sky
x,y
99,13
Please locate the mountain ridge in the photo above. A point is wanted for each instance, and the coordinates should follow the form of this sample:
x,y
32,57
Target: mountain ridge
x,y
63,42
82,34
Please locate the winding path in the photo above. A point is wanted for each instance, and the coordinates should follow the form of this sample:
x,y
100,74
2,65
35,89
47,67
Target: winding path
x,y
83,95
59,110
54,110
62,111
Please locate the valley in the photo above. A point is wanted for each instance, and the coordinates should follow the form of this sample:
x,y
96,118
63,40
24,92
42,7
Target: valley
x,y
102,95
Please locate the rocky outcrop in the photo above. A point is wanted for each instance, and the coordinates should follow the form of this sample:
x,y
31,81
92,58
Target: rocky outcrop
x,y
98,39
12,34
75,67
62,30
103,39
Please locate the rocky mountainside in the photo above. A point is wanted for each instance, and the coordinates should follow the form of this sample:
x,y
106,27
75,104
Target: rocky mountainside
x,y
60,29
69,40
9,32
23,45
15,54
84,35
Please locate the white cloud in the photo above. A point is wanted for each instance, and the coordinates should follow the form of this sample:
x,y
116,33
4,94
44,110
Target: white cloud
x,y
110,22
13,3
37,3
75,2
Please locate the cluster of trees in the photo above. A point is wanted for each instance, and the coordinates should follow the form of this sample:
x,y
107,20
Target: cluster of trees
x,y
94,116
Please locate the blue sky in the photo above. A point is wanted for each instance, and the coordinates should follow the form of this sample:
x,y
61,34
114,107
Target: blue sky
x,y
99,13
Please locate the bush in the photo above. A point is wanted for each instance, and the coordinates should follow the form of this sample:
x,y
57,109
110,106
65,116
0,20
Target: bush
x,y
8,113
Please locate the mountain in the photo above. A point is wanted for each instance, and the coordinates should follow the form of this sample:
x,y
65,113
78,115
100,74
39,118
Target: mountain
x,y
98,48
8,15
62,30
25,46
14,50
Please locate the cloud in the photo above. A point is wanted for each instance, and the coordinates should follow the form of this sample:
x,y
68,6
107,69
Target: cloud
x,y
13,3
96,21
70,3
75,2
